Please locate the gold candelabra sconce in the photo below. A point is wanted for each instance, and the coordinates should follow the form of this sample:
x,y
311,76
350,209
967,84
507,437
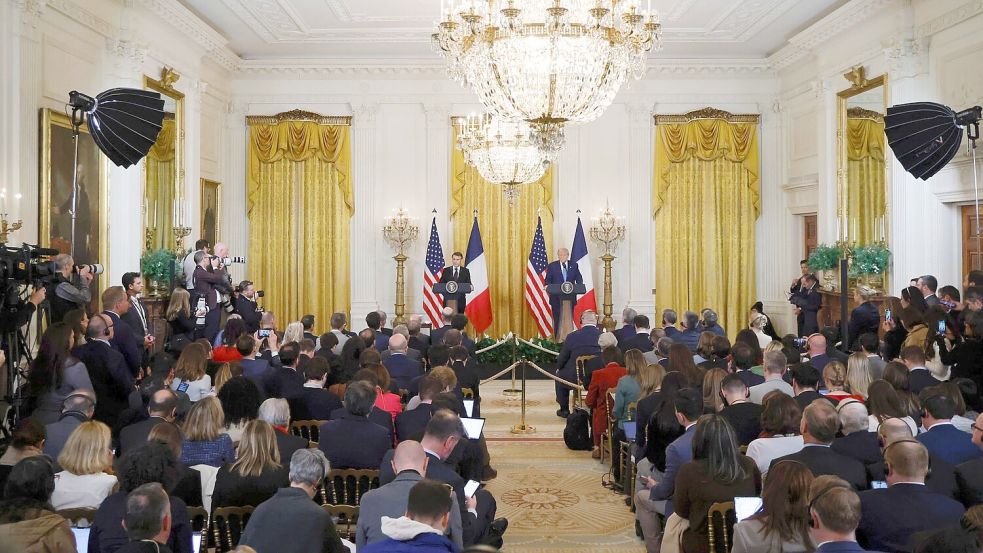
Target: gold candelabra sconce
x,y
400,230
608,230
180,233
7,224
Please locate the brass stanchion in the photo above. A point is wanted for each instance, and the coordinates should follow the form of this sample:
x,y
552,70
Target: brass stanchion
x,y
513,391
522,427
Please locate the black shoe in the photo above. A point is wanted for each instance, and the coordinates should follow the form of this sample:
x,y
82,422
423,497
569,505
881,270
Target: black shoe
x,y
562,413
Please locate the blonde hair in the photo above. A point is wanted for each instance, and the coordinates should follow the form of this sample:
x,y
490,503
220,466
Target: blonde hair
x,y
774,345
711,389
759,321
205,420
858,374
222,375
634,361
294,332
180,303
650,378
257,449
87,449
192,363
834,375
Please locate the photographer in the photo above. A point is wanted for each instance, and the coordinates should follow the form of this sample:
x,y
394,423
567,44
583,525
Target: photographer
x,y
189,262
19,315
245,305
208,280
70,288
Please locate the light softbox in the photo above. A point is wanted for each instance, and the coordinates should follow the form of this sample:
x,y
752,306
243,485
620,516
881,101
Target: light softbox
x,y
925,136
124,122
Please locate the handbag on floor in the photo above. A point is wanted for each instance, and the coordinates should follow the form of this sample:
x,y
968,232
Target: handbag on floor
x,y
576,434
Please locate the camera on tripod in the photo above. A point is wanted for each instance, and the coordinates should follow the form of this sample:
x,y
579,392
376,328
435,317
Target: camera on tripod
x,y
25,266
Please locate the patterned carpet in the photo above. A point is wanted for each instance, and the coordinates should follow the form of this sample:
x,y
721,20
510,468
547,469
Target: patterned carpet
x,y
552,496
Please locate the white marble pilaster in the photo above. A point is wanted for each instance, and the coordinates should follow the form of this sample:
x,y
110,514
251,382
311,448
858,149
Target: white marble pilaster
x,y
640,243
365,225
22,94
437,192
235,221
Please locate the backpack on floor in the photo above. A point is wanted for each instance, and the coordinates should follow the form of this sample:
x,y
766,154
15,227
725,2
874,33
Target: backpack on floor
x,y
577,432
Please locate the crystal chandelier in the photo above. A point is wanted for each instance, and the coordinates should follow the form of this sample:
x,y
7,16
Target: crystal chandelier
x,y
502,151
547,62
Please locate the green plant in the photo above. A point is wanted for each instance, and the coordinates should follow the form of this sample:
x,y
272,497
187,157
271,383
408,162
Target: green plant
x,y
160,264
871,259
824,257
503,353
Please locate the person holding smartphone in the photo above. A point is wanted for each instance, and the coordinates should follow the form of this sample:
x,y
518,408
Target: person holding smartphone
x,y
206,279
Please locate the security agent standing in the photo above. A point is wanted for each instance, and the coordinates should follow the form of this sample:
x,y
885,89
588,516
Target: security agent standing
x,y
208,280
245,306
70,290
459,274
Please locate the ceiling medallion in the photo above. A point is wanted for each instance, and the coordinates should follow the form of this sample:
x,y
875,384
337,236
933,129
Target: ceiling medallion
x,y
502,151
548,62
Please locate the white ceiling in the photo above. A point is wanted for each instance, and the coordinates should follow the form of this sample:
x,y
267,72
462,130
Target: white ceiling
x,y
400,29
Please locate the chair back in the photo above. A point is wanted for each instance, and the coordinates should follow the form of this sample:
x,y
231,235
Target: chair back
x,y
468,393
721,518
228,523
347,486
79,517
308,430
345,518
631,410
199,519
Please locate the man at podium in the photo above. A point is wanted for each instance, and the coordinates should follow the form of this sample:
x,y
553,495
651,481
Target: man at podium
x,y
560,271
458,274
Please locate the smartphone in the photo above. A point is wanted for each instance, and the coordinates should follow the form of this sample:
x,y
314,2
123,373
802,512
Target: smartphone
x,y
265,332
471,487
887,314
878,484
941,329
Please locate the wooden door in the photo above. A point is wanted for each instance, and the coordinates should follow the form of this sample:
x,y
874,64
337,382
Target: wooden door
x,y
971,254
810,234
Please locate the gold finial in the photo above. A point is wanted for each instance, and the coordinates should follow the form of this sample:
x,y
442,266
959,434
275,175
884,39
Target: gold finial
x,y
857,76
168,76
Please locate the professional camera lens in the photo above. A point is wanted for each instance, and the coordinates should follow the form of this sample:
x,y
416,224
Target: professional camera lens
x,y
233,259
260,293
94,268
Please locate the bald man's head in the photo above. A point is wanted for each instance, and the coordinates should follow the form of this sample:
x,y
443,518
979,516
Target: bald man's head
x,y
409,455
817,344
221,250
98,325
397,342
893,430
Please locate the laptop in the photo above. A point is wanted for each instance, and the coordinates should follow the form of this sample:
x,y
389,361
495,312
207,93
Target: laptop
x,y
631,428
746,506
473,427
82,540
469,406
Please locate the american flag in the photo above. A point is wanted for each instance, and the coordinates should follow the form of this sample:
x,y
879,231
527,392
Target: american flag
x,y
432,303
535,294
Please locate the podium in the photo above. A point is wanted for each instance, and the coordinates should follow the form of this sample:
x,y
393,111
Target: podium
x,y
450,291
567,293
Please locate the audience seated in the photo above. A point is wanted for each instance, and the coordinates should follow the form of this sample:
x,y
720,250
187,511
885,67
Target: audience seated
x,y
782,523
627,329
681,361
834,512
240,399
743,357
601,381
817,351
418,341
718,354
658,426
835,379
256,474
162,408
409,463
411,424
27,440
402,368
27,520
422,528
110,377
941,476
579,343
970,474
85,461
352,441
77,408
805,379
690,335
858,377
744,416
187,481
774,369
640,340
56,373
276,412
713,399
856,440
780,424
884,403
205,439
919,377
466,369
314,401
818,426
869,346
385,399
285,381
891,516
290,522
147,520
897,375
941,437
228,349
256,369
189,373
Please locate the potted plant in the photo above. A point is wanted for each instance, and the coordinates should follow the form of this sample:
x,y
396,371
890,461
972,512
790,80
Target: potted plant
x,y
159,266
868,261
825,258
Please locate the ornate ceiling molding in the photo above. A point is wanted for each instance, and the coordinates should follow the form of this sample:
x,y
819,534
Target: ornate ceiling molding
x,y
708,113
298,115
950,18
83,16
194,28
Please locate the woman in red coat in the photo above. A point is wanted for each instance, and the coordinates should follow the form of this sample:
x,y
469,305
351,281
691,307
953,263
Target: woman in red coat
x,y
601,380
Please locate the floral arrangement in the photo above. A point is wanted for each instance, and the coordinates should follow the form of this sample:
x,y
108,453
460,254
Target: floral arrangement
x,y
825,257
160,264
871,259
503,353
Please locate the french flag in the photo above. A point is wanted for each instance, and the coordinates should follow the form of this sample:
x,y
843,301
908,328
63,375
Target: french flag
x,y
479,308
580,256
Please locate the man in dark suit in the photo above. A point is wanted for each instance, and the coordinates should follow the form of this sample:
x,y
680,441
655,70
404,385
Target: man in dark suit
x,y
245,306
456,273
627,329
136,316
314,402
208,280
77,408
928,285
162,408
284,380
919,377
401,368
742,359
640,340
276,411
111,378
580,342
969,475
466,370
817,352
124,340
418,340
834,512
891,516
807,302
743,415
941,476
864,318
437,334
557,272
805,378
256,369
412,353
857,441
373,320
353,441
377,416
690,335
941,437
818,428
411,424
457,334
308,323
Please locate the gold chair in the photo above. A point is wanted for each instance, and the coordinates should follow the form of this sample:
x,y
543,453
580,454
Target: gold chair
x,y
79,517
728,517
347,486
743,449
309,430
468,393
345,518
607,438
578,395
228,524
199,523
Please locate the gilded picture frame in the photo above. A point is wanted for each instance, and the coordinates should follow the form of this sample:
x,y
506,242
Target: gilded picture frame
x,y
55,187
211,210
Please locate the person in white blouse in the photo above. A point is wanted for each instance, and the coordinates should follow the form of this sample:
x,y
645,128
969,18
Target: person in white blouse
x,y
189,373
780,421
758,323
83,482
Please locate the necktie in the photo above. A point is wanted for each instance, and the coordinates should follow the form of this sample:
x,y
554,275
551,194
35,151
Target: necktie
x,y
139,309
455,273
563,266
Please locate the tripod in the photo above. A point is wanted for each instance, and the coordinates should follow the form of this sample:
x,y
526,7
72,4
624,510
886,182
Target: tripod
x,y
18,358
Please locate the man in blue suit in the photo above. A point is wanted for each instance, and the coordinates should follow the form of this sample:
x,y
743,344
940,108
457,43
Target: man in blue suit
x,y
891,516
115,303
353,441
628,325
942,438
402,369
835,512
656,498
579,342
560,271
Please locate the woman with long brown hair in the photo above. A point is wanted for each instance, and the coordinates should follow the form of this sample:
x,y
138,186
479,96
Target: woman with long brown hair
x,y
894,332
896,374
780,436
681,361
713,402
257,472
179,320
628,388
781,525
56,373
206,441
884,403
189,373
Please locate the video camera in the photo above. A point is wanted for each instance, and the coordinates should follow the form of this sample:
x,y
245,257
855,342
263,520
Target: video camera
x,y
25,266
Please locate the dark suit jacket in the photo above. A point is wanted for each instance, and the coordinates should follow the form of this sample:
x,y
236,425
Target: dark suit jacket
x,y
919,379
639,341
259,371
413,354
284,382
691,338
437,335
809,301
132,318
863,446
951,444
582,341
354,442
864,318
749,378
205,282
841,547
246,308
969,477
234,490
889,517
57,433
291,513
589,367
745,418
941,477
378,416
808,396
107,532
624,332
314,404
554,274
124,341
819,361
420,343
463,276
411,424
111,379
823,460
135,435
287,444
402,369
467,376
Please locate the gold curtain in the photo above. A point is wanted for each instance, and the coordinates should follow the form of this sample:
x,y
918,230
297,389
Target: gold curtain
x,y
705,203
506,233
161,182
300,204
866,192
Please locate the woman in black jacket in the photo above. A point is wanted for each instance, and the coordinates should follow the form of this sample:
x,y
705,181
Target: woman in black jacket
x,y
179,320
257,473
966,355
662,427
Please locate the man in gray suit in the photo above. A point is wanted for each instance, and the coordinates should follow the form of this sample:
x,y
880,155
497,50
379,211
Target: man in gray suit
x,y
409,463
76,409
